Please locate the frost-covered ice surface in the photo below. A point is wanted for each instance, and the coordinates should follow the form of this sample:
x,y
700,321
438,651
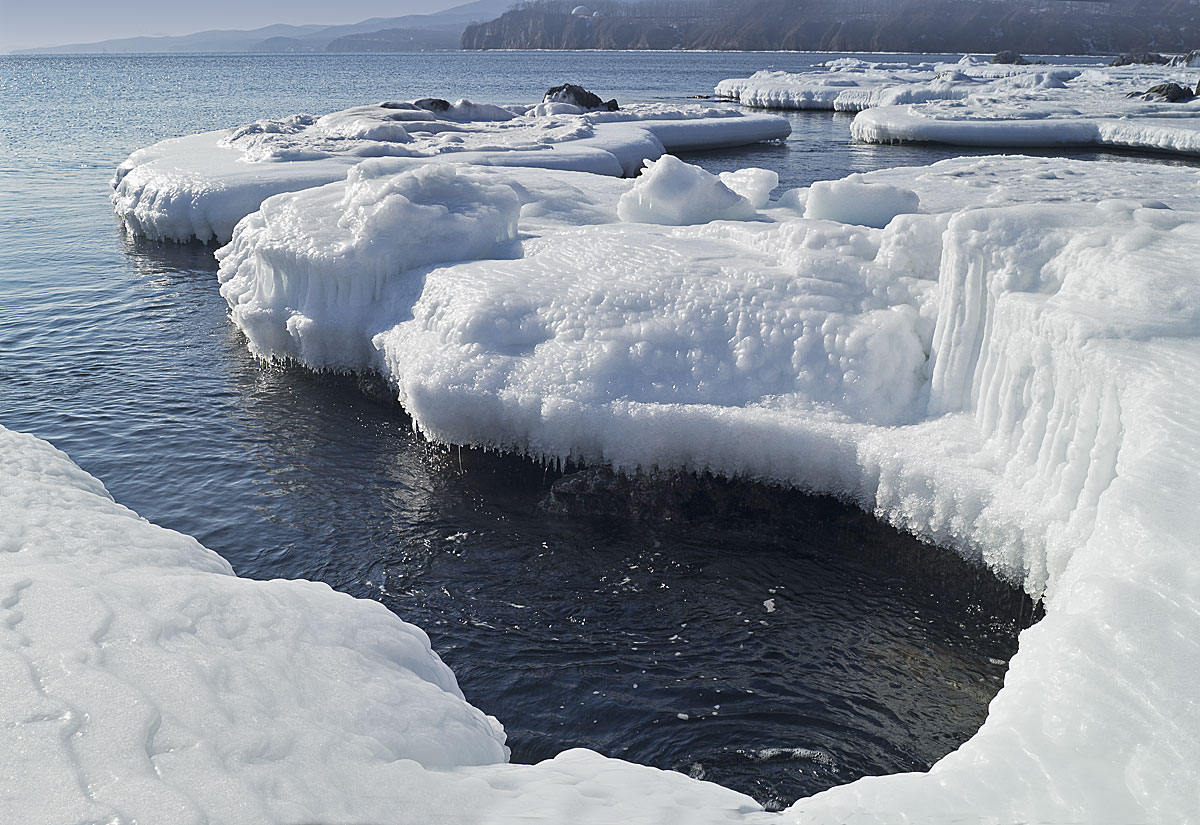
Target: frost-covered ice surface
x,y
199,186
144,683
1008,366
973,103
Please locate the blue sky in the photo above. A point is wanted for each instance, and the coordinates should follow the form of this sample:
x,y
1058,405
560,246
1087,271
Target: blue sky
x,y
35,23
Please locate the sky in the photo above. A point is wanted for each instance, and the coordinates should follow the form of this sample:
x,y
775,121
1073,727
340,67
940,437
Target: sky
x,y
27,24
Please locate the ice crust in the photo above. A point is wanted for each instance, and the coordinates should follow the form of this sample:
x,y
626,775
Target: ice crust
x,y
1008,371
972,103
200,186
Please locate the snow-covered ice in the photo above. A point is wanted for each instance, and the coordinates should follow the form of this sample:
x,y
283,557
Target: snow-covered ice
x,y
1007,366
973,103
200,186
144,683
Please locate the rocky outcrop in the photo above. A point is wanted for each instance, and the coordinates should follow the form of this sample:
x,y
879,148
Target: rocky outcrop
x,y
1008,57
1170,92
1190,60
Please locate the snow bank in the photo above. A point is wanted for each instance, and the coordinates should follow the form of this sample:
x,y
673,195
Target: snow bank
x,y
1009,371
144,682
200,186
974,104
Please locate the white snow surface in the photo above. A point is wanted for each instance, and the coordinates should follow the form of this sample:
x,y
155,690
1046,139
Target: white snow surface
x,y
675,193
971,103
200,186
1010,371
144,683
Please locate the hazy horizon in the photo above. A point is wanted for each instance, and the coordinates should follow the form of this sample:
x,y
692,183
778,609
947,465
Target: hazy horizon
x,y
54,23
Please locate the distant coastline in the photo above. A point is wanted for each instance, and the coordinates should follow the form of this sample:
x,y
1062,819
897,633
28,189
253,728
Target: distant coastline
x,y
910,26
1048,27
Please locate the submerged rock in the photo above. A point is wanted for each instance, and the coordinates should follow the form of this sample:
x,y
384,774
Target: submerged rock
x,y
578,96
599,492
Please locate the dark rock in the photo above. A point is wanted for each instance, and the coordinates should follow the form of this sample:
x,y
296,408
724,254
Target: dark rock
x,y
1009,58
578,96
1170,92
432,104
1137,58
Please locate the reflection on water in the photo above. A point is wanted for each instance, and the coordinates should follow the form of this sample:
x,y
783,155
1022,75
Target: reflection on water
x,y
780,652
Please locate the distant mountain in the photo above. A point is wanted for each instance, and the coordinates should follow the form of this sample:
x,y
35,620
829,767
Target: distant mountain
x,y
1033,26
313,38
397,40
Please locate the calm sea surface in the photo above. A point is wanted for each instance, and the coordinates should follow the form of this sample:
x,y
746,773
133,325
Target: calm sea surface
x,y
779,653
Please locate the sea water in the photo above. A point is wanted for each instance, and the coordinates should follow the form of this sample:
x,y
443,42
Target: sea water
x,y
792,647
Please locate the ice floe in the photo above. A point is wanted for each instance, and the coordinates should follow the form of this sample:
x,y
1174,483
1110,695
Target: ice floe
x,y
1000,354
972,103
200,186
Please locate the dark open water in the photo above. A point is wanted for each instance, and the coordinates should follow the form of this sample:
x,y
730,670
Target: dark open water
x,y
797,647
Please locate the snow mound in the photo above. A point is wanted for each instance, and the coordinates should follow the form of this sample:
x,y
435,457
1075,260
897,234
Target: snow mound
x,y
431,213
675,193
200,186
753,184
855,202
